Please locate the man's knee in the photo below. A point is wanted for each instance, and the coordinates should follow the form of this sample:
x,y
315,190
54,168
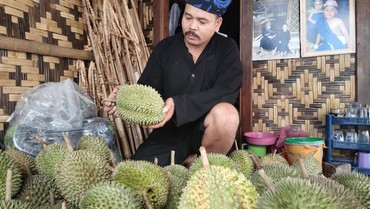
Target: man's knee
x,y
223,114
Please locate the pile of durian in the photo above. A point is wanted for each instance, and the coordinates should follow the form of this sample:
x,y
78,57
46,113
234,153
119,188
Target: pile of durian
x,y
87,177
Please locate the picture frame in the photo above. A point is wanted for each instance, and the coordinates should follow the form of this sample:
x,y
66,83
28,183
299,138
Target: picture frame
x,y
276,29
327,27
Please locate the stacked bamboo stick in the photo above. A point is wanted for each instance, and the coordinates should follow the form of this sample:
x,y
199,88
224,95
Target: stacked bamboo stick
x,y
116,38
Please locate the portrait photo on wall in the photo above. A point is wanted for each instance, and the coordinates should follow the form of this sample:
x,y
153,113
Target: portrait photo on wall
x,y
327,27
276,29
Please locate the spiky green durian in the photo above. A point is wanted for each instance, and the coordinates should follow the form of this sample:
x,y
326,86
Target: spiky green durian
x,y
293,193
218,187
5,164
14,204
77,172
345,196
244,162
49,157
144,177
178,176
24,162
312,165
214,159
139,104
359,183
111,195
276,172
37,189
272,159
95,144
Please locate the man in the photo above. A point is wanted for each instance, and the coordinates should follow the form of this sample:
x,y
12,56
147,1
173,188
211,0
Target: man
x,y
199,74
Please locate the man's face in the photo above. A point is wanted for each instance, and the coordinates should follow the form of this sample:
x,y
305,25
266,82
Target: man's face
x,y
330,12
199,26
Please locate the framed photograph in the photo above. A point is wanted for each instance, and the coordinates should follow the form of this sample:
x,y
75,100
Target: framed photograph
x,y
327,27
276,29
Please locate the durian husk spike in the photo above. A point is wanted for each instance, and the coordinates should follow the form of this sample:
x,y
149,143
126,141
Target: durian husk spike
x,y
303,168
64,205
52,198
268,181
8,185
203,155
38,138
148,204
172,157
68,142
156,160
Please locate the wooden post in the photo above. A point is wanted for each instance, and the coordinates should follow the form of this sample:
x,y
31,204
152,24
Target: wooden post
x,y
246,46
160,20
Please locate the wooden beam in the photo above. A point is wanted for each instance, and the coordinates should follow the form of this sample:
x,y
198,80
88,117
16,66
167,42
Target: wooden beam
x,y
246,46
20,45
160,20
363,50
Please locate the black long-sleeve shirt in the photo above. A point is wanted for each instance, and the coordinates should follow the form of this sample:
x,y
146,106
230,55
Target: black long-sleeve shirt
x,y
195,87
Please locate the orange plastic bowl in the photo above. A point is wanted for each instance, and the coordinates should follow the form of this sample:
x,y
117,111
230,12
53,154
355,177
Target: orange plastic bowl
x,y
260,138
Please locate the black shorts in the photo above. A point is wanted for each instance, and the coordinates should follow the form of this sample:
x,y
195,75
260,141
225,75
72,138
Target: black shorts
x,y
184,140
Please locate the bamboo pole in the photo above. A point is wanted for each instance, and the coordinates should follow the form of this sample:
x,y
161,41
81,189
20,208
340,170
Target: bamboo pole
x,y
121,52
34,47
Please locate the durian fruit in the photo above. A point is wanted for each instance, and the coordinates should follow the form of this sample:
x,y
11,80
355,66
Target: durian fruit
x,y
293,193
276,172
77,172
312,165
24,162
213,159
243,161
49,157
218,187
139,104
7,202
96,145
178,175
146,179
107,195
15,204
7,163
345,196
272,159
37,190
357,182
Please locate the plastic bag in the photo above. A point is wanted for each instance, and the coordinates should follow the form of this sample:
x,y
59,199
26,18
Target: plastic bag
x,y
54,106
22,138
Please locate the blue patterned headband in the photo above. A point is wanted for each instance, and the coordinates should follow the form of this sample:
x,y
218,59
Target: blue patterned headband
x,y
217,7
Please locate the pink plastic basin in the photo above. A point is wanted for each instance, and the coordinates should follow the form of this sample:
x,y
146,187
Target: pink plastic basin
x,y
260,138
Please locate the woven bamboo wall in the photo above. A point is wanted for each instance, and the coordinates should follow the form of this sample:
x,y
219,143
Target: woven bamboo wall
x,y
56,22
301,91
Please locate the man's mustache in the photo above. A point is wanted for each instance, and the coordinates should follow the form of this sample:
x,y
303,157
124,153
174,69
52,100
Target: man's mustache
x,y
190,32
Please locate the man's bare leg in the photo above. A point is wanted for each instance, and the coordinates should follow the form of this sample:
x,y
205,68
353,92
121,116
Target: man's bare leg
x,y
221,125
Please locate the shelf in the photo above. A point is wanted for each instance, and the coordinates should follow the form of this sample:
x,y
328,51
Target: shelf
x,y
331,144
350,121
351,145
